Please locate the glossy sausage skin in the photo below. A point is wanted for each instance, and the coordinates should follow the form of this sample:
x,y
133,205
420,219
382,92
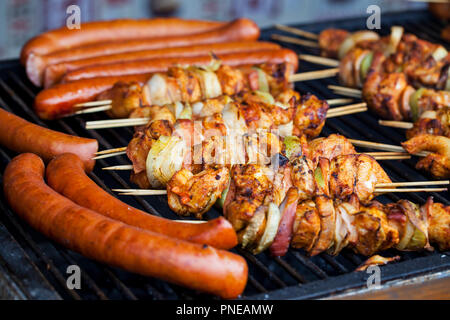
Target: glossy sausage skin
x,y
101,31
196,266
59,100
54,73
162,64
20,135
240,29
65,174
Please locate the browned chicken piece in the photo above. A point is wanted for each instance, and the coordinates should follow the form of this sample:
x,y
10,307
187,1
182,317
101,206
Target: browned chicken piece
x,y
125,97
330,41
288,96
186,85
433,100
255,117
432,122
154,113
355,174
231,79
303,177
330,147
209,107
250,184
310,116
140,179
383,93
438,161
195,194
374,231
142,141
327,213
306,227
278,77
438,223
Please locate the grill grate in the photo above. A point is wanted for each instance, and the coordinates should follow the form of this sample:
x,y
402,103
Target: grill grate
x,y
31,267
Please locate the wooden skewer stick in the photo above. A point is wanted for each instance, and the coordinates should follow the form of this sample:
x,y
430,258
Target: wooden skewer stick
x,y
396,124
147,192
298,32
132,122
119,168
413,183
319,60
410,190
93,103
380,158
347,94
109,155
344,89
94,110
111,151
313,75
382,146
333,102
305,43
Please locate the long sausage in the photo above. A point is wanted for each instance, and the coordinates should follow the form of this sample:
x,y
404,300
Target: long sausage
x,y
196,266
123,29
54,73
20,135
65,174
59,100
160,65
240,29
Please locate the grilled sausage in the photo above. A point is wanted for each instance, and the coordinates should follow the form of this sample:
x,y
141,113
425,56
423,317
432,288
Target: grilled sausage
x,y
240,29
196,266
59,100
65,174
20,135
162,64
115,30
54,73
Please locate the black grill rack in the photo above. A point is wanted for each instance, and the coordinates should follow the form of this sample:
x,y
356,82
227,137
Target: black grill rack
x,y
32,267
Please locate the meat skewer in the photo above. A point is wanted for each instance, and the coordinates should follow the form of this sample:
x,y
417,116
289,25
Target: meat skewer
x,y
178,84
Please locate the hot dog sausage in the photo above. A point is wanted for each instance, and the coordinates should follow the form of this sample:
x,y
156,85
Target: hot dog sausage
x,y
240,29
20,135
94,32
162,64
59,100
65,174
54,73
196,266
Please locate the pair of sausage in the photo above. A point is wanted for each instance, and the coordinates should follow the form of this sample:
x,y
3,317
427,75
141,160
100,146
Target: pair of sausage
x,y
102,31
66,175
20,135
54,73
238,30
196,266
277,56
58,100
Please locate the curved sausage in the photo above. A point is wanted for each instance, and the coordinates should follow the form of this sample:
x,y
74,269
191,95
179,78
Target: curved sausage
x,y
65,174
59,100
122,29
160,65
240,29
54,73
196,266
20,135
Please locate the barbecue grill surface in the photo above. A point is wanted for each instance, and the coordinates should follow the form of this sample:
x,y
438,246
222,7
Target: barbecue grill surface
x,y
32,267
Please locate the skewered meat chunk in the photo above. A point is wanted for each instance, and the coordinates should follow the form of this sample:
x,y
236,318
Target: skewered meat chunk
x,y
310,116
329,147
306,227
438,224
438,161
188,193
432,122
330,40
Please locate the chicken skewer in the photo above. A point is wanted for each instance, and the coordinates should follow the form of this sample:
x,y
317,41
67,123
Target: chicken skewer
x,y
208,107
189,85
